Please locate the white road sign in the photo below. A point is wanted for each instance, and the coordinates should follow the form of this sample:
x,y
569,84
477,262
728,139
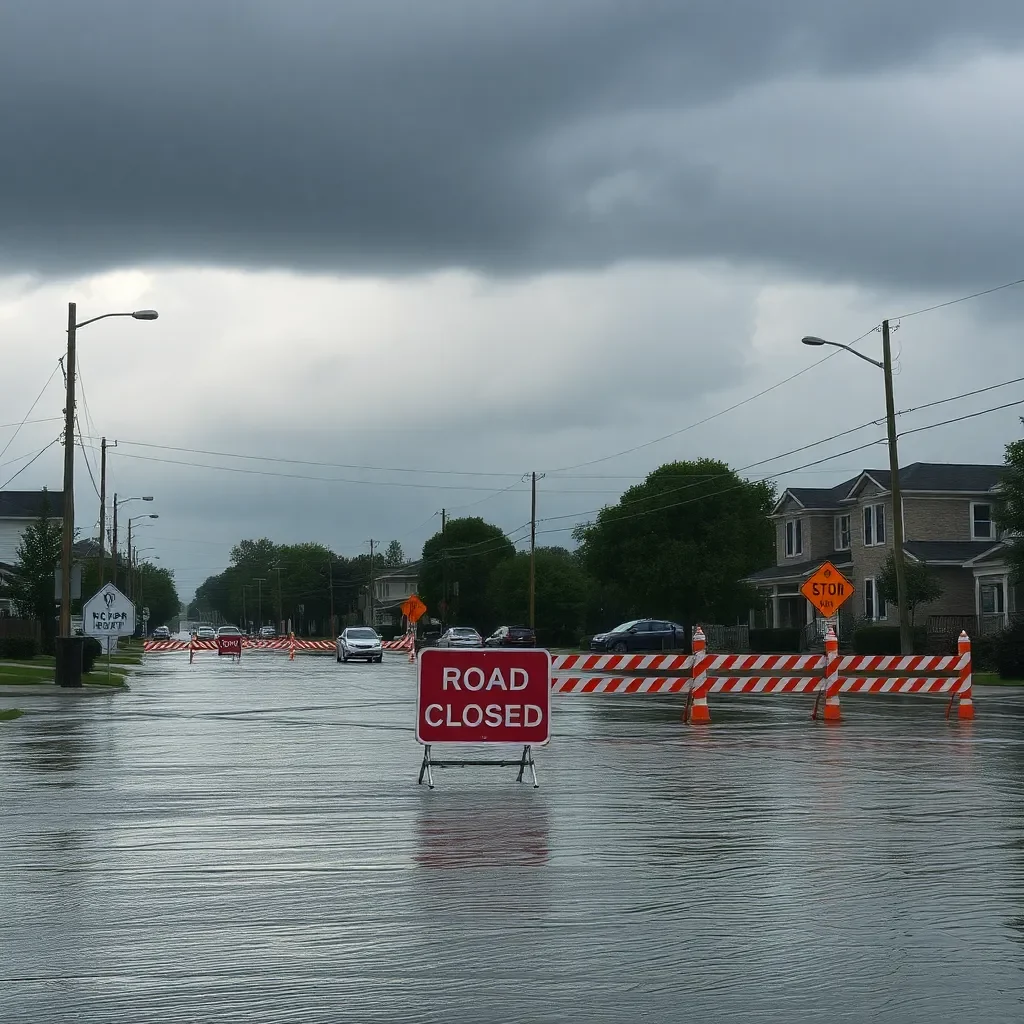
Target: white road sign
x,y
108,613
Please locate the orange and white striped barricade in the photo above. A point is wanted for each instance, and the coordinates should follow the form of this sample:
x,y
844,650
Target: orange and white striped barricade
x,y
828,675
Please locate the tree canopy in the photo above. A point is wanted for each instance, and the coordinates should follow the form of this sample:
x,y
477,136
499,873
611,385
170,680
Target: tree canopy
x,y
922,584
679,544
1010,506
462,559
394,555
32,581
561,594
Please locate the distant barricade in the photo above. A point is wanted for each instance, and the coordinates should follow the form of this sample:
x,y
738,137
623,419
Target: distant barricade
x,y
281,643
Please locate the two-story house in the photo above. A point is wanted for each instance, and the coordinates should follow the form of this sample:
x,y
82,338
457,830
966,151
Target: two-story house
x,y
390,590
947,524
18,509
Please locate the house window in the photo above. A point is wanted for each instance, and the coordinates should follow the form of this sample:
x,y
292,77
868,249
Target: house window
x,y
874,604
982,527
842,540
794,538
874,525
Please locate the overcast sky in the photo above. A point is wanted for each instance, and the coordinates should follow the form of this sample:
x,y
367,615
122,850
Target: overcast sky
x,y
461,240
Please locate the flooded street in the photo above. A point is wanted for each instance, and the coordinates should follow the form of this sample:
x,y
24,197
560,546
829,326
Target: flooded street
x,y
241,842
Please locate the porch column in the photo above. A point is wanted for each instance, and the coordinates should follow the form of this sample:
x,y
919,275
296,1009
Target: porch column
x,y
775,606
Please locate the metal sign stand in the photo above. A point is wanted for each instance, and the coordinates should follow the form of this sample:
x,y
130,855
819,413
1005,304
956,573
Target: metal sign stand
x,y
524,762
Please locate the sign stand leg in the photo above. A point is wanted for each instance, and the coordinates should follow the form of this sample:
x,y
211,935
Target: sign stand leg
x,y
425,768
527,761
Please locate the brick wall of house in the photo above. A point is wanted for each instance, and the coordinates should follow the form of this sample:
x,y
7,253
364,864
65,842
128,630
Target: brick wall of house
x,y
957,595
937,518
868,561
821,532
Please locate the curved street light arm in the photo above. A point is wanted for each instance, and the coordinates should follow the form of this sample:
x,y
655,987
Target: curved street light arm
x,y
811,340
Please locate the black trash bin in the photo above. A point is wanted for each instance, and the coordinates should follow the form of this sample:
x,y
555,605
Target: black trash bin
x,y
70,651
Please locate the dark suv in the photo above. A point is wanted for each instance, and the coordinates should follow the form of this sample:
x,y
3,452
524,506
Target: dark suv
x,y
512,636
642,635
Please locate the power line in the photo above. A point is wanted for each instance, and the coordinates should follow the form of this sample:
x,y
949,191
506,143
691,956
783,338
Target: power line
x,y
713,416
308,462
963,298
29,463
960,419
29,413
27,423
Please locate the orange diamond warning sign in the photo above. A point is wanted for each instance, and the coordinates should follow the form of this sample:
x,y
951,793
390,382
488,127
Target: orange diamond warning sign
x,y
413,608
827,589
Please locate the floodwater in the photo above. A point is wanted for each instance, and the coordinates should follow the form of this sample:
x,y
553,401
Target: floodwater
x,y
247,842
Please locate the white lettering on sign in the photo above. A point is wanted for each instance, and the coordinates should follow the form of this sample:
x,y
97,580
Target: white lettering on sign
x,y
473,679
513,716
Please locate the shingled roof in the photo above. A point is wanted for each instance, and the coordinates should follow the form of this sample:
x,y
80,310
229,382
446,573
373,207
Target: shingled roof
x,y
29,504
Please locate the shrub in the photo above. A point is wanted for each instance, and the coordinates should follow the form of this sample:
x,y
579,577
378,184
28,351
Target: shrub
x,y
1010,652
18,647
90,652
775,641
984,652
886,640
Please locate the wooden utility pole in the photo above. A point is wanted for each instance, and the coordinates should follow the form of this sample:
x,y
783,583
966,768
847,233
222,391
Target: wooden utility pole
x,y
103,507
898,557
533,550
444,571
113,546
370,595
68,531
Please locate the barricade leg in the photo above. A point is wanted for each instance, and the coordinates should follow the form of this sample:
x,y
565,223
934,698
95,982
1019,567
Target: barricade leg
x,y
965,702
291,646
697,711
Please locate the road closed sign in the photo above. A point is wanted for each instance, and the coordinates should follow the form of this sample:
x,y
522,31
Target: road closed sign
x,y
484,696
108,613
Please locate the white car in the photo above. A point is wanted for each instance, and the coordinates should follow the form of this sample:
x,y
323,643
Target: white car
x,y
205,633
461,636
360,642
229,631
267,632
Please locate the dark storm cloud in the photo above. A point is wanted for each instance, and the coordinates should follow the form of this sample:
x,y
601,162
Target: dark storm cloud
x,y
375,135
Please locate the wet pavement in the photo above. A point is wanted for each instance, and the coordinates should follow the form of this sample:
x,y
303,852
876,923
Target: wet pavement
x,y
247,842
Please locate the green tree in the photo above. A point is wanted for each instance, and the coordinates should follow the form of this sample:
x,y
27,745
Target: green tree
x,y
32,579
464,556
562,589
1010,506
679,544
157,591
394,555
923,585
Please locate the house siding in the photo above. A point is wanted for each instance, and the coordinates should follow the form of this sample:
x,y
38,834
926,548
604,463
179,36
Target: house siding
x,y
939,518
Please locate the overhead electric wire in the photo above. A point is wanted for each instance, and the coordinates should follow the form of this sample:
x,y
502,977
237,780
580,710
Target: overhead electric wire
x,y
24,420
963,298
29,463
712,416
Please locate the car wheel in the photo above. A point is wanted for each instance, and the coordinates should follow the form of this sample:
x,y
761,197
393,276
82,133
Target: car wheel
x,y
619,648
339,659
379,660
344,658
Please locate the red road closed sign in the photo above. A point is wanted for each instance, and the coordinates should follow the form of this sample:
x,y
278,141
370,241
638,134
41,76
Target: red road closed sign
x,y
484,696
229,645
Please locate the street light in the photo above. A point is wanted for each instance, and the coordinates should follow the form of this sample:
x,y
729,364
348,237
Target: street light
x,y
64,674
135,519
899,560
113,540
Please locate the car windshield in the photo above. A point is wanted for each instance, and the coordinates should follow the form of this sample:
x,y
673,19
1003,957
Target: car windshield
x,y
625,627
361,634
464,631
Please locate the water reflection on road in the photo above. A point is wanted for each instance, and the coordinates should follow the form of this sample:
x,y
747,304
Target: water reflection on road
x,y
238,842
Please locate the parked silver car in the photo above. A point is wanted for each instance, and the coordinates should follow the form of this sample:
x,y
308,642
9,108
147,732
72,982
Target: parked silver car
x,y
360,642
461,636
